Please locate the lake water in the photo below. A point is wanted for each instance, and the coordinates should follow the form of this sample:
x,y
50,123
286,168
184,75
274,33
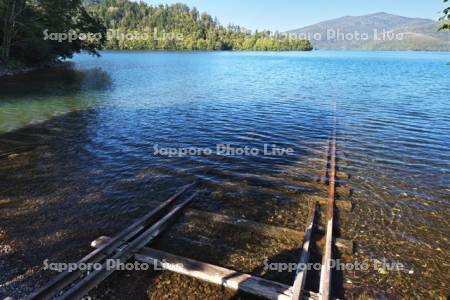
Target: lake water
x,y
86,137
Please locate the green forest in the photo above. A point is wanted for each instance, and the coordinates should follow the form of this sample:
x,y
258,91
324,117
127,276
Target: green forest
x,y
179,27
24,21
27,29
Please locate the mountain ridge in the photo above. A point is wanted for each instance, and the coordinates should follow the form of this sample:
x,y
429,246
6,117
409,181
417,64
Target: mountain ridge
x,y
377,29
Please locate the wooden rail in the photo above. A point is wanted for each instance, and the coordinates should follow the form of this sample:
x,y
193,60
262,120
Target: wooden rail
x,y
66,279
123,255
300,278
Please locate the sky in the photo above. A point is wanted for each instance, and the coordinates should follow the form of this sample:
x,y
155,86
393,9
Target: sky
x,y
291,14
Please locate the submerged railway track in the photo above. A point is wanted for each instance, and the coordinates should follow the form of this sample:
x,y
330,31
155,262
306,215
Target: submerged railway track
x,y
134,241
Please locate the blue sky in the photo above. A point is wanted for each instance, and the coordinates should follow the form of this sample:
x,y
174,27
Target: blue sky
x,y
291,14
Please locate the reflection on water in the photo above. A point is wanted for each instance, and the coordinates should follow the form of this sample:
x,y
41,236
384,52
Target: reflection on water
x,y
89,172
38,96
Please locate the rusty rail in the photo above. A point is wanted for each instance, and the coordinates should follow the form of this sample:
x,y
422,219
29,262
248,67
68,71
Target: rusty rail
x,y
325,276
131,243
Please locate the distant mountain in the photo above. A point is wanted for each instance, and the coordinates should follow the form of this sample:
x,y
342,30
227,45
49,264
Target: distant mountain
x,y
380,31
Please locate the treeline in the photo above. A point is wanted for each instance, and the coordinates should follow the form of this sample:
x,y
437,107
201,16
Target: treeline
x,y
22,23
36,31
138,26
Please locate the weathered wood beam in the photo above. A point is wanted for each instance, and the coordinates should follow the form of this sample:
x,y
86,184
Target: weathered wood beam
x,y
89,282
300,278
214,274
65,279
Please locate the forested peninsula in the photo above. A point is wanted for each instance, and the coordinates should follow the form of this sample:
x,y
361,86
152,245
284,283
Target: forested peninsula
x,y
41,32
179,27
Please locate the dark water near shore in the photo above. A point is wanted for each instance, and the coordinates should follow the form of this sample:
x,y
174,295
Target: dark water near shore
x,y
85,140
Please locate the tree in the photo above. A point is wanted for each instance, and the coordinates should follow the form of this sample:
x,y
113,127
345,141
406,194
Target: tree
x,y
26,25
10,11
446,18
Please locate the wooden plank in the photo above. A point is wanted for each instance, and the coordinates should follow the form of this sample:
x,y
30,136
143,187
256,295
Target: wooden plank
x,y
65,279
300,278
82,287
214,274
325,275
203,272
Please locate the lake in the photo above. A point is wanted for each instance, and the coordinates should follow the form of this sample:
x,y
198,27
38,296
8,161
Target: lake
x,y
86,165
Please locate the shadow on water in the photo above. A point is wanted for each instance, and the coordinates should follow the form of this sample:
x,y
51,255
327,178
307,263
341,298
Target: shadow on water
x,y
35,191
57,196
40,95
59,80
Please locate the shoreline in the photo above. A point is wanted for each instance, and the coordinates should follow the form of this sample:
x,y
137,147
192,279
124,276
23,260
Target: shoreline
x,y
15,71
